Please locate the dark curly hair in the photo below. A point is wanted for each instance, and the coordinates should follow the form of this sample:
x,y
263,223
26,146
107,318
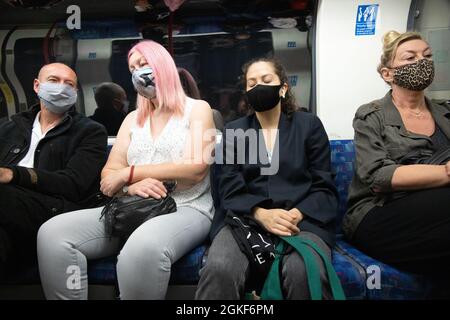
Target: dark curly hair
x,y
288,104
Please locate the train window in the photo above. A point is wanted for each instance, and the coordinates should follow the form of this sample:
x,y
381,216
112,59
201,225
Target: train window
x,y
28,60
215,62
205,55
212,41
118,67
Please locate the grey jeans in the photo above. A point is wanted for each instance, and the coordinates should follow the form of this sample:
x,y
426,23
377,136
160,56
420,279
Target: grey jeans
x,y
227,270
66,243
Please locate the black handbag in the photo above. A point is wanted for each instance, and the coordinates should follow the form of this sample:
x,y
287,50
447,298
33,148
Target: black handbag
x,y
423,156
440,156
257,244
123,215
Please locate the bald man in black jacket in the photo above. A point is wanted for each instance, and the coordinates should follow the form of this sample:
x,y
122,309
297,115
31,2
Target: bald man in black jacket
x,y
50,163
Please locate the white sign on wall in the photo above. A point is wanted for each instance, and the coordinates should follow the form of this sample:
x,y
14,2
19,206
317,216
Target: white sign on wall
x,y
346,64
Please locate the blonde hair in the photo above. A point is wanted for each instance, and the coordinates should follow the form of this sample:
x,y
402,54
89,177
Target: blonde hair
x,y
391,41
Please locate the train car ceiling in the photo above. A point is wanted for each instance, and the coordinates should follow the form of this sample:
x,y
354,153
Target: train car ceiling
x,y
21,12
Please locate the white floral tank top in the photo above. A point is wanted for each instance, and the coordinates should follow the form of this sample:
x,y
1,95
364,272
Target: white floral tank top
x,y
169,146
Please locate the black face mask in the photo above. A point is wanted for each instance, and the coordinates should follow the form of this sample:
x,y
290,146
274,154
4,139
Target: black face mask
x,y
263,97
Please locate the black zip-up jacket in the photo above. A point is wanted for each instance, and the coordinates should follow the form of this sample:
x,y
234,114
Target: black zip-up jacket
x,y
67,161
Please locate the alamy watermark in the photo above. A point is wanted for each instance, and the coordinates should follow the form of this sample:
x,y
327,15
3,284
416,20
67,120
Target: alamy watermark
x,y
74,20
237,147
373,281
74,279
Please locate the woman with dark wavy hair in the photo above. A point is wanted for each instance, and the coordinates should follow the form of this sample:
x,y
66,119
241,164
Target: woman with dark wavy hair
x,y
288,104
297,198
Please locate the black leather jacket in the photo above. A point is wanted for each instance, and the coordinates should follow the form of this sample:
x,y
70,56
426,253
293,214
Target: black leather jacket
x,y
68,160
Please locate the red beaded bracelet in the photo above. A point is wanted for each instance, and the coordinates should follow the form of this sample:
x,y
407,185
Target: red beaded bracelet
x,y
130,178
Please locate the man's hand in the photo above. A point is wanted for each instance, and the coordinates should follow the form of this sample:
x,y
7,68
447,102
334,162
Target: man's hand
x,y
277,221
6,175
112,183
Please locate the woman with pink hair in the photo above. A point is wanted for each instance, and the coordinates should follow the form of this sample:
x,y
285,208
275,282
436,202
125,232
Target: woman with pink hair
x,y
163,140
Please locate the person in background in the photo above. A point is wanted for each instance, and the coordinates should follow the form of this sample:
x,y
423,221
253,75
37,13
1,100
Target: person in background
x,y
399,207
112,106
191,89
189,84
50,162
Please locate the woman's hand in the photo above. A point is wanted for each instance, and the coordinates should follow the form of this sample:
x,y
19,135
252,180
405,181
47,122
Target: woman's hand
x,y
297,215
114,181
277,221
148,188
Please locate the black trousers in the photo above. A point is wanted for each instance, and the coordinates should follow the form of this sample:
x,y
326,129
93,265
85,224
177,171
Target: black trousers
x,y
411,233
227,270
22,212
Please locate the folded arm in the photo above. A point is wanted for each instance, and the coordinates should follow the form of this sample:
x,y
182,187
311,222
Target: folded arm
x,y
383,174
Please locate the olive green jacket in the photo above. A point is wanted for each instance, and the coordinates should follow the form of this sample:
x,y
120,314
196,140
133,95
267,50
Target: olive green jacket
x,y
381,139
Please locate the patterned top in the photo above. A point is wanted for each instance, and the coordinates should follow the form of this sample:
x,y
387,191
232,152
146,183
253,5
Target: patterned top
x,y
169,146
439,139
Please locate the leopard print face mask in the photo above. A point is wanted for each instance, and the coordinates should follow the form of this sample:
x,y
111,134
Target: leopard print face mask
x,y
415,76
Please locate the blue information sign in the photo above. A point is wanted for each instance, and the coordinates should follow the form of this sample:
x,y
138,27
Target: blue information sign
x,y
366,20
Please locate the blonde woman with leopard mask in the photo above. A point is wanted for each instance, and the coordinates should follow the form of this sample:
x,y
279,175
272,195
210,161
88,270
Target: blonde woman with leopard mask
x,y
399,198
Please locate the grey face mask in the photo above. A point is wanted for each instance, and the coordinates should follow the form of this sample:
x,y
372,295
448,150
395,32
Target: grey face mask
x,y
143,82
57,97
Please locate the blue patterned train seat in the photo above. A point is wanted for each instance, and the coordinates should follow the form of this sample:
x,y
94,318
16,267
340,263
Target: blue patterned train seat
x,y
351,274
